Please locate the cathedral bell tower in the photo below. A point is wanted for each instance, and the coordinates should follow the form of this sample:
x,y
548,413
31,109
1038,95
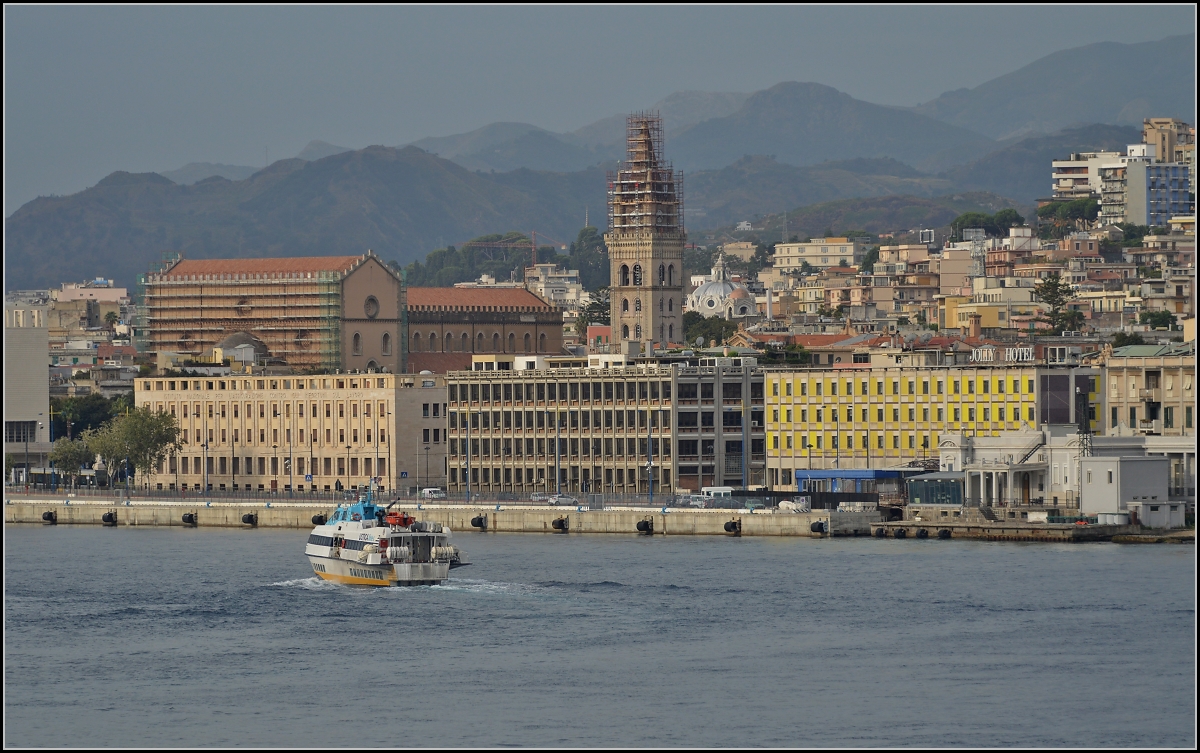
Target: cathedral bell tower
x,y
645,240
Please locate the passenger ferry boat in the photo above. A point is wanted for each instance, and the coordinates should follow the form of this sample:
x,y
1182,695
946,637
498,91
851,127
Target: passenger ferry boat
x,y
364,544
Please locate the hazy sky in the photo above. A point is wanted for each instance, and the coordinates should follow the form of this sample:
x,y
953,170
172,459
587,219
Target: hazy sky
x,y
92,90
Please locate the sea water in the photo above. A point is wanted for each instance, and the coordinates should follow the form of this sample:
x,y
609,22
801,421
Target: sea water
x,y
168,637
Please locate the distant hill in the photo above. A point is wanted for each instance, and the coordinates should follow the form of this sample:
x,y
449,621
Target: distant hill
x,y
399,202
678,110
1107,82
316,150
758,185
194,172
875,215
1022,170
805,123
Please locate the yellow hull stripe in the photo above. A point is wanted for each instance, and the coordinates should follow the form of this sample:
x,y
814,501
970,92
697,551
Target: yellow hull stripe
x,y
352,580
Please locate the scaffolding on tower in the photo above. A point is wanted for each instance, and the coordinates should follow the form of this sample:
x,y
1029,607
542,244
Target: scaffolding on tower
x,y
645,192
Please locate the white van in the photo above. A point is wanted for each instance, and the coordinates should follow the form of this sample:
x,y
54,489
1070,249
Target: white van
x,y
433,493
717,491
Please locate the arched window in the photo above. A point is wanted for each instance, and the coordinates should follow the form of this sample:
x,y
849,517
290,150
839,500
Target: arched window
x,y
416,346
357,344
433,339
637,332
372,365
742,310
624,304
671,332
671,275
512,343
495,342
387,344
637,274
466,343
662,274
479,342
542,343
637,304
624,331
528,343
624,274
670,304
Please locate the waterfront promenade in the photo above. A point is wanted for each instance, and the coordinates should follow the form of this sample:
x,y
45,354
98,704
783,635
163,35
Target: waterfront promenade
x,y
499,517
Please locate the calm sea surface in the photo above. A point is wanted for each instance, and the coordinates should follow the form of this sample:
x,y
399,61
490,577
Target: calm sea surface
x,y
160,637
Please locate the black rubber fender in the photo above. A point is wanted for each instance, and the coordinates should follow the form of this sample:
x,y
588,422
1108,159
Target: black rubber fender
x,y
900,533
109,518
479,522
559,524
733,526
645,526
189,519
881,533
944,533
250,519
319,519
922,533
818,526
50,517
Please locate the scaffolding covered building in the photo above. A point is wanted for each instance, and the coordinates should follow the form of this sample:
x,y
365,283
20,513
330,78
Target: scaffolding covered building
x,y
330,312
645,239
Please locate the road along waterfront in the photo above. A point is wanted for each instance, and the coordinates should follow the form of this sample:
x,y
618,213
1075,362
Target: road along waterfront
x,y
167,636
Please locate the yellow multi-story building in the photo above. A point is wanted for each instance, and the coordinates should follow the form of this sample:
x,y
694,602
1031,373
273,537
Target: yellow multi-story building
x,y
884,417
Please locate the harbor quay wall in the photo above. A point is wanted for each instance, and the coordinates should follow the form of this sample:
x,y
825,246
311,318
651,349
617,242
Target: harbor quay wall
x,y
506,519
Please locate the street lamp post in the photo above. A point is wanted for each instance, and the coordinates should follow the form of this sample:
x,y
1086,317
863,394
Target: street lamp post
x,y
557,447
205,446
275,470
347,484
426,468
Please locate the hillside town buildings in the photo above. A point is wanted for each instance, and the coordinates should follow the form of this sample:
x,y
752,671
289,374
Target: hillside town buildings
x,y
320,374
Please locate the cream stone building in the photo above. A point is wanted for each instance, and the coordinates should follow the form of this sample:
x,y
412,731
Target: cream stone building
x,y
295,434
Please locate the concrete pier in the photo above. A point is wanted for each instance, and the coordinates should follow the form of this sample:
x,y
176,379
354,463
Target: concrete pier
x,y
496,518
1001,531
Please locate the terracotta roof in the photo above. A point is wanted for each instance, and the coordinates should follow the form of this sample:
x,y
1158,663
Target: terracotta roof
x,y
816,341
295,264
467,299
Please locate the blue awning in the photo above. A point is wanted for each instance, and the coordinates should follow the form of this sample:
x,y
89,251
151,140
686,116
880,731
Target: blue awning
x,y
851,473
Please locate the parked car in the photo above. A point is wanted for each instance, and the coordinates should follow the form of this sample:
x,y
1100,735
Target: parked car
x,y
539,497
433,493
563,499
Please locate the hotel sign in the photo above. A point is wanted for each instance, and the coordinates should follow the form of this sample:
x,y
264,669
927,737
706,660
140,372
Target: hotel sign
x,y
1010,355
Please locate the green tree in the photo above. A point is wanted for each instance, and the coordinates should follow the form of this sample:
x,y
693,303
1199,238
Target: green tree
x,y
142,437
1121,339
69,456
597,311
974,219
1007,218
1056,292
589,255
74,415
869,259
711,329
1157,319
111,319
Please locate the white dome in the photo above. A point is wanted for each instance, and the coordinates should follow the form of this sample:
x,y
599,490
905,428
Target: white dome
x,y
710,298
